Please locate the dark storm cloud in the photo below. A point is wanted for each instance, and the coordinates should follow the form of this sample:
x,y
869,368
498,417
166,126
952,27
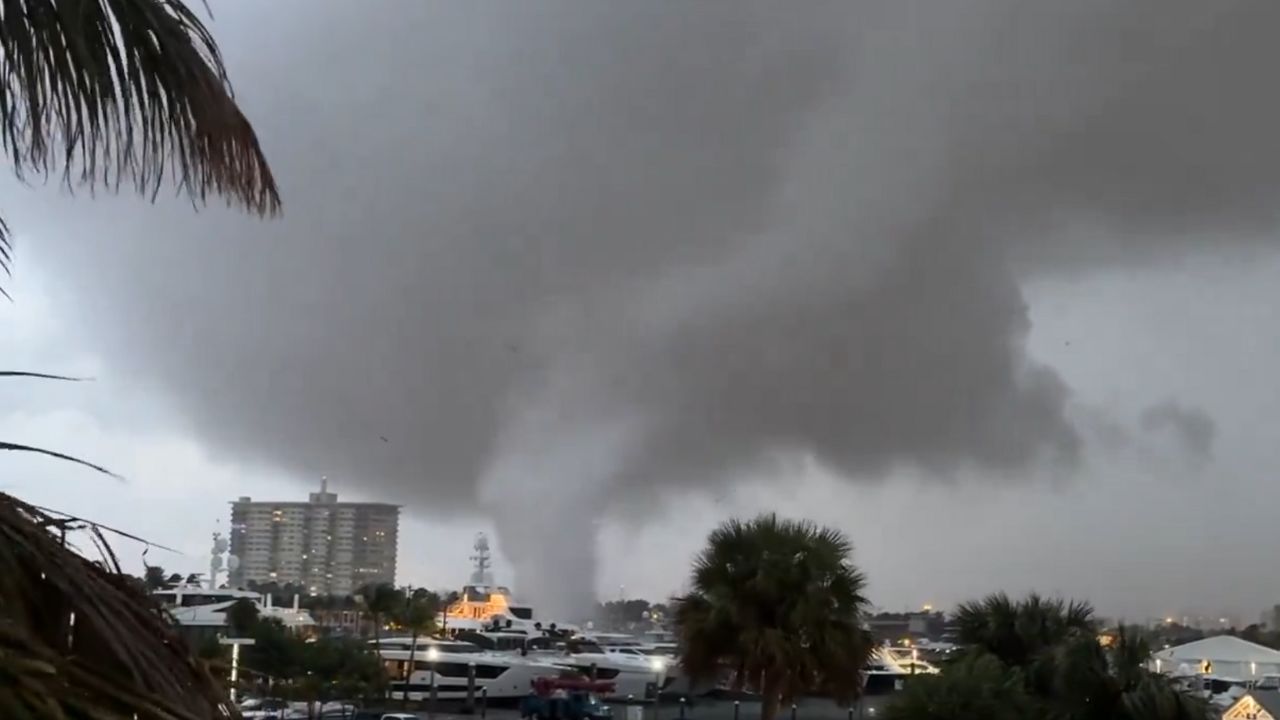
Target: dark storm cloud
x,y
1191,427
563,253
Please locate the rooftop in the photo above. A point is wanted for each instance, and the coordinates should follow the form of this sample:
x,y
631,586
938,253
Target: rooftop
x,y
324,497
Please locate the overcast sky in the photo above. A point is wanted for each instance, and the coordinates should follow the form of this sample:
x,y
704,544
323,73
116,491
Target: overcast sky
x,y
986,287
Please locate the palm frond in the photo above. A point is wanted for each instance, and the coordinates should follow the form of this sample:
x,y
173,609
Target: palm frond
x,y
107,92
45,376
55,454
97,526
6,255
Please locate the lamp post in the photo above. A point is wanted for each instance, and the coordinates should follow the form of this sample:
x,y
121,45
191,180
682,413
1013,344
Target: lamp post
x,y
659,667
235,644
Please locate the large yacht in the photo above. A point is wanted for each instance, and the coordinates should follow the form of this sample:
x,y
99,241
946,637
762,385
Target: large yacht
x,y
636,676
884,673
908,660
483,605
200,611
486,617
447,664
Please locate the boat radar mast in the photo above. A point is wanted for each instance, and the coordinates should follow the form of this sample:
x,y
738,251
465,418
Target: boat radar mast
x,y
480,574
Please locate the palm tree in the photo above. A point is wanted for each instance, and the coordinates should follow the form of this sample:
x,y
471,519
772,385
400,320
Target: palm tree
x,y
447,600
976,687
380,600
1019,633
153,578
103,93
418,616
242,617
780,603
1051,646
1090,682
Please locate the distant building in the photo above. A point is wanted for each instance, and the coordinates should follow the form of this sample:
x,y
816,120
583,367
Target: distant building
x,y
1221,655
324,546
895,628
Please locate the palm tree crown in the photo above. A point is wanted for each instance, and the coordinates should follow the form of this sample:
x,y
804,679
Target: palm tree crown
x,y
779,603
106,92
1018,632
1040,657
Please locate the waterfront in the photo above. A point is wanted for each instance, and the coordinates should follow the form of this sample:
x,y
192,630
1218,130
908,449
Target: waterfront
x,y
809,709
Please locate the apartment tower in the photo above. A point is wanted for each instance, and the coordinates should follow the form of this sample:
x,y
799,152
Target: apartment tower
x,y
324,546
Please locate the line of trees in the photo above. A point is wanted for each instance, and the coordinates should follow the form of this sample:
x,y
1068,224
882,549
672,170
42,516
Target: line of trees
x,y
1040,657
281,663
776,606
329,667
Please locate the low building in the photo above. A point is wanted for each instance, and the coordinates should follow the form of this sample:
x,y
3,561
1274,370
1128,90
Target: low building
x,y
1219,655
895,628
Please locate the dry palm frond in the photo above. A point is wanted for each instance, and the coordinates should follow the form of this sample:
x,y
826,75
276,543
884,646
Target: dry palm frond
x,y
5,249
44,376
55,454
43,451
78,639
135,91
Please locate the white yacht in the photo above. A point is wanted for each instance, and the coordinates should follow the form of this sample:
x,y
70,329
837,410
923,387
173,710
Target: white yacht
x,y
201,610
884,673
636,673
635,676
447,664
908,661
609,640
484,606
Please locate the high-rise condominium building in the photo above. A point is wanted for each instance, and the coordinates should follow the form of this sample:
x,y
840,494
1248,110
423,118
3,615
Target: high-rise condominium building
x,y
325,546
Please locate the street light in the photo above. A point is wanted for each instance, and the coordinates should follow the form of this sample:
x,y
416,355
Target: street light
x,y
433,654
659,667
235,644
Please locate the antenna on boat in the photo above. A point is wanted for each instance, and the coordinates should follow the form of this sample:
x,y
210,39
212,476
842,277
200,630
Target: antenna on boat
x,y
482,560
215,559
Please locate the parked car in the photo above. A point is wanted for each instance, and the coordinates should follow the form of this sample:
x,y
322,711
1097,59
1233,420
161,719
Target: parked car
x,y
384,715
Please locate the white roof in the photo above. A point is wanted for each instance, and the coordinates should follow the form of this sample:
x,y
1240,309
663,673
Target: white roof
x,y
1220,649
216,615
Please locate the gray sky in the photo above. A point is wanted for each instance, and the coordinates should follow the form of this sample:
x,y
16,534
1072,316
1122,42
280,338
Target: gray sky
x,y
986,286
